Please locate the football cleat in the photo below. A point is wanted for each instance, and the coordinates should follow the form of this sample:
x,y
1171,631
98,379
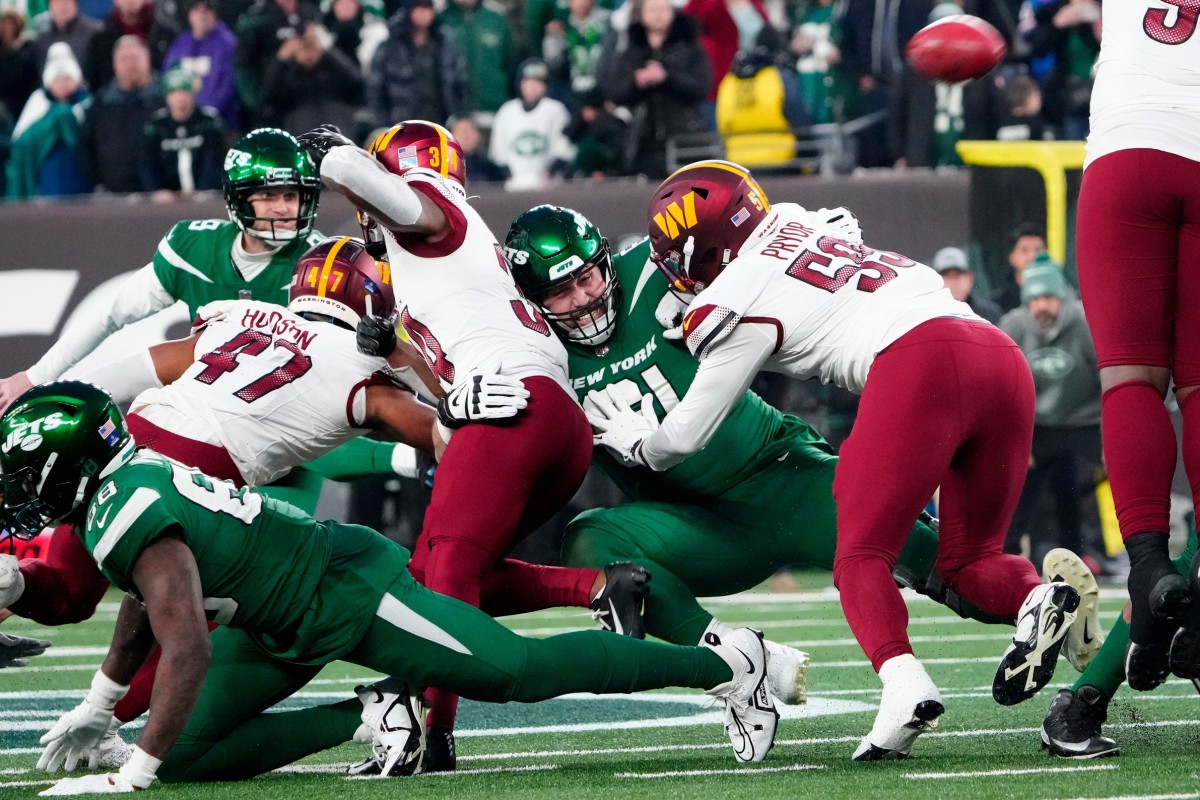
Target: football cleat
x,y
1147,664
439,751
394,723
1042,625
911,705
750,715
1072,725
787,673
12,582
620,604
112,752
1185,646
1084,637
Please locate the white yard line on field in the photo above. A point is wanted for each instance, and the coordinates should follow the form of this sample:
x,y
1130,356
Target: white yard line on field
x,y
918,776
461,772
740,772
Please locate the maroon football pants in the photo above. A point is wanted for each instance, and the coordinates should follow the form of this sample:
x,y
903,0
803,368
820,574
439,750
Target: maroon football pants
x,y
948,404
495,484
1138,246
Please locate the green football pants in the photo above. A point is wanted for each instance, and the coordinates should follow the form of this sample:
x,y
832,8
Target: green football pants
x,y
426,639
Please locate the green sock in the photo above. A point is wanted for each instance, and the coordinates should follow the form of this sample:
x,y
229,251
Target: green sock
x,y
1107,670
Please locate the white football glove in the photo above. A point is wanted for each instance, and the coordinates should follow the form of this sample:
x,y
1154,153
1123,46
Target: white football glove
x,y
841,222
482,396
76,737
111,783
618,427
670,313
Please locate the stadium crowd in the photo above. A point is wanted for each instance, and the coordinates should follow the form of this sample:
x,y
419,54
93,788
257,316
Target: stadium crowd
x,y
143,95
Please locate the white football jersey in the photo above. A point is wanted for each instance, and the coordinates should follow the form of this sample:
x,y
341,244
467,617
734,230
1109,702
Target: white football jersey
x,y
834,306
1147,90
275,390
459,303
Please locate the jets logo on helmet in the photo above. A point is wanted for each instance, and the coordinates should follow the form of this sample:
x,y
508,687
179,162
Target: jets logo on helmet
x,y
339,279
700,217
61,439
549,247
414,144
269,158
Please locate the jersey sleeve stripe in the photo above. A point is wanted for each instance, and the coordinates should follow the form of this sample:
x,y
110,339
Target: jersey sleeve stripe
x,y
133,508
179,262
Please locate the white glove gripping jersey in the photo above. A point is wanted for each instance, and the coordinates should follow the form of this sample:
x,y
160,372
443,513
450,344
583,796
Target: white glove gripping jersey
x,y
273,389
800,301
460,305
1147,90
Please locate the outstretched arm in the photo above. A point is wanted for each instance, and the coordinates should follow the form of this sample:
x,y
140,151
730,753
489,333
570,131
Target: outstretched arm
x,y
160,365
386,197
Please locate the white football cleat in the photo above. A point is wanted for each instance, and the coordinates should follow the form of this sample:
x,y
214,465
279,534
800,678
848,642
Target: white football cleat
x,y
750,715
1042,625
911,705
112,752
12,582
1084,637
394,723
787,673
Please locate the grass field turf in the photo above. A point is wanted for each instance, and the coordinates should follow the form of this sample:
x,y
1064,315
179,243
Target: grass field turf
x,y
669,745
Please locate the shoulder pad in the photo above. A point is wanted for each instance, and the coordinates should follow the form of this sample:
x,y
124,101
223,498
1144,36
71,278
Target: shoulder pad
x,y
705,325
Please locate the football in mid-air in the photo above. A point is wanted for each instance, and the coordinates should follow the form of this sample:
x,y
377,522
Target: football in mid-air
x,y
956,48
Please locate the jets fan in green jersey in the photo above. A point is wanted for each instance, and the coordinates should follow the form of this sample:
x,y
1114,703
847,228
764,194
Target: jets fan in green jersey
x,y
290,594
759,497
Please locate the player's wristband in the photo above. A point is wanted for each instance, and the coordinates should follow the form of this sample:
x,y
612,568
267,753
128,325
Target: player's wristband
x,y
105,692
444,431
140,769
404,461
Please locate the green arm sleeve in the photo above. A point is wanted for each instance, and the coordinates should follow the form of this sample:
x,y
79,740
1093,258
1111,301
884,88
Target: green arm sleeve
x,y
355,459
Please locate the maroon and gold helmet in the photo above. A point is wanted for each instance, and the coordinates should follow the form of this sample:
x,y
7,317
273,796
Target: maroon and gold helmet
x,y
338,278
417,143
700,217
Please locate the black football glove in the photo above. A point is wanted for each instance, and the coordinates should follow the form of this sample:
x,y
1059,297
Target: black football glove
x,y
320,140
376,336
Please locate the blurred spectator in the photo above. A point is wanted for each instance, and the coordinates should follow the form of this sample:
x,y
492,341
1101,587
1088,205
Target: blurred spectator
x,y
18,67
574,47
542,17
528,135
1024,244
726,27
480,168
1021,119
310,83
874,34
1064,40
65,25
1052,332
484,37
758,107
260,32
418,72
598,129
814,45
44,161
183,148
115,121
662,76
951,263
137,18
206,51
356,31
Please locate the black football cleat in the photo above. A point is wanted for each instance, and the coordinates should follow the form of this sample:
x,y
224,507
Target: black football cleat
x,y
621,603
1028,663
439,751
1072,725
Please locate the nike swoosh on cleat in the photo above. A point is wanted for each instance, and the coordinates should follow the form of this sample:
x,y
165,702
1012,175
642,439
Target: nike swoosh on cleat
x,y
616,620
749,663
1087,636
1074,747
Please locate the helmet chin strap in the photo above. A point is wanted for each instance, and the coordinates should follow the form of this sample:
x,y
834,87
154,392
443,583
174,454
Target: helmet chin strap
x,y
689,247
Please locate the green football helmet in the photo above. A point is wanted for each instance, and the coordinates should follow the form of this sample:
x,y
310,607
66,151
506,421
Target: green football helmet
x,y
268,158
58,441
548,246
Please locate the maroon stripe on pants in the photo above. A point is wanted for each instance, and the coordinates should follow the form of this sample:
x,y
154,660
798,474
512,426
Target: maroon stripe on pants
x,y
208,458
949,404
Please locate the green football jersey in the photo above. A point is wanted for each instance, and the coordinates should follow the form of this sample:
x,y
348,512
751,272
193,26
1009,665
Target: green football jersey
x,y
194,264
754,433
303,593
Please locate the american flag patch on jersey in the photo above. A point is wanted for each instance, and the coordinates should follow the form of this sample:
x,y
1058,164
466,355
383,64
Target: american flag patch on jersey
x,y
407,156
740,217
108,432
